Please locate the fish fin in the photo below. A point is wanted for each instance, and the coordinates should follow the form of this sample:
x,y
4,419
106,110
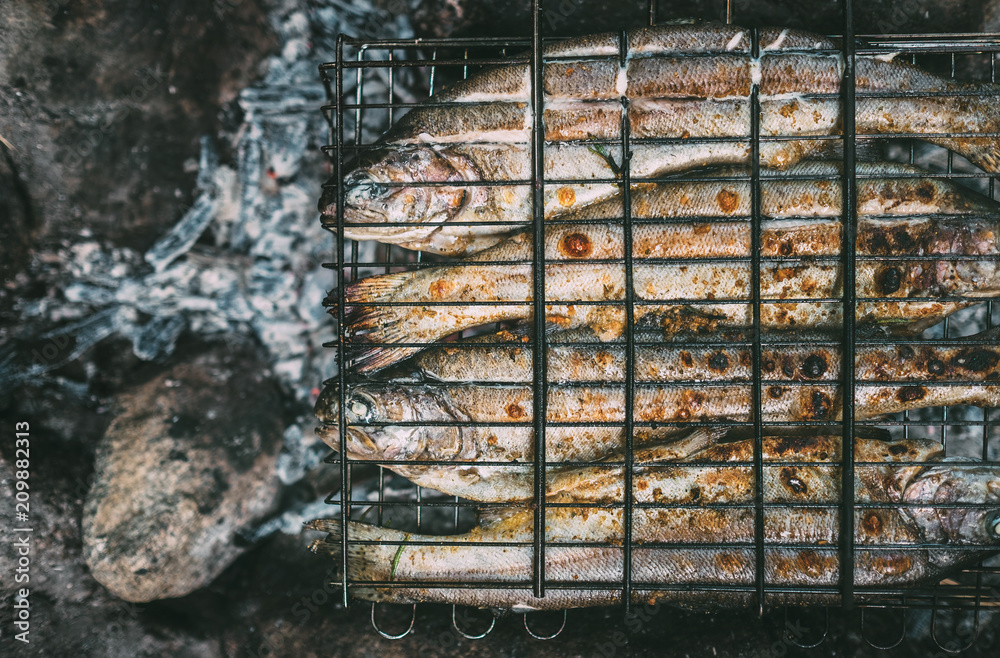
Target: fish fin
x,y
364,561
373,324
491,516
370,328
377,288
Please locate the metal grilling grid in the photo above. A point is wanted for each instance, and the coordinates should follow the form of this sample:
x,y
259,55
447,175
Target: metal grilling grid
x,y
963,431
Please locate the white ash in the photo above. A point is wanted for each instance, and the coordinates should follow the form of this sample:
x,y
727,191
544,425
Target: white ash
x,y
302,453
290,522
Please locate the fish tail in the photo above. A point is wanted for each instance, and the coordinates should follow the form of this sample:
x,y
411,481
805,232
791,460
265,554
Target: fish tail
x,y
370,328
331,526
491,516
364,561
371,323
984,152
376,288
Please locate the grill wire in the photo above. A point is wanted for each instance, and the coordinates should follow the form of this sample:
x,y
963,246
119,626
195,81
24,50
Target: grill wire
x,y
976,589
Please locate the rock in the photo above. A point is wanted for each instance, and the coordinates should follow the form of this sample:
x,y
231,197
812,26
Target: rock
x,y
71,614
185,466
104,100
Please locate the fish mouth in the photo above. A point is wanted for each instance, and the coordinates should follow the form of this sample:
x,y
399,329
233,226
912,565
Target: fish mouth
x,y
358,445
327,406
329,435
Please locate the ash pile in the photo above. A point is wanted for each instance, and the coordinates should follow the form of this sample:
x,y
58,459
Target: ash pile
x,y
197,357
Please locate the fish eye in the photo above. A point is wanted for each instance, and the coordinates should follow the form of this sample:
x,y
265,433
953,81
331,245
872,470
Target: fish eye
x,y
994,524
361,407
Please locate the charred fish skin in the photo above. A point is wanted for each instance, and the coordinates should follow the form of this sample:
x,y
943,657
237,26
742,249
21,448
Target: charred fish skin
x,y
393,405
507,357
811,188
895,522
468,440
910,272
480,130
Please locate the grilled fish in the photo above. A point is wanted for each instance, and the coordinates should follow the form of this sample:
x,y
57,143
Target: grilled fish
x,y
902,539
807,189
911,273
506,357
683,84
476,431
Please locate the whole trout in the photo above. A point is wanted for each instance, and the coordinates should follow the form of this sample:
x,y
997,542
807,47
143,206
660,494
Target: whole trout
x,y
479,433
911,273
693,527
573,356
688,91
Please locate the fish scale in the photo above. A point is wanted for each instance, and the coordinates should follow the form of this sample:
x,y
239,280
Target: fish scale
x,y
506,356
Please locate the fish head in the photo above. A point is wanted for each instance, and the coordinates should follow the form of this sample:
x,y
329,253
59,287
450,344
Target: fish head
x,y
398,193
974,489
372,413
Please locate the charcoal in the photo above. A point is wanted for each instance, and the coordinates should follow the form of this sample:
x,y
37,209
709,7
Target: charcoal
x,y
156,339
207,163
301,453
184,234
25,360
249,171
290,522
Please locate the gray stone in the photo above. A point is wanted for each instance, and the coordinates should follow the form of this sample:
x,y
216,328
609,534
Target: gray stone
x,y
185,466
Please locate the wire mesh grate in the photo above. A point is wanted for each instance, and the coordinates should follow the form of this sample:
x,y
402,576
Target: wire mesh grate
x,y
366,96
